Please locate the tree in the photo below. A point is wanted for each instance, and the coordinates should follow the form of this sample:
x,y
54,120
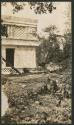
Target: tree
x,y
38,7
49,48
68,48
50,51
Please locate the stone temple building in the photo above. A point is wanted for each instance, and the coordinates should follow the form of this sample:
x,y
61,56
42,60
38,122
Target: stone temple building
x,y
19,47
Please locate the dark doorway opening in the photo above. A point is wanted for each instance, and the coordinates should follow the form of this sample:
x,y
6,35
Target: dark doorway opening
x,y
9,57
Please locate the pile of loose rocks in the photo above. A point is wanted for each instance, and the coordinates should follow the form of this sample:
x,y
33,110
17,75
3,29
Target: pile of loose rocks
x,y
38,99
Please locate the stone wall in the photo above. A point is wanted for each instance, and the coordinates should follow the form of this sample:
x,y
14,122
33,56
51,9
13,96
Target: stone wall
x,y
22,37
25,57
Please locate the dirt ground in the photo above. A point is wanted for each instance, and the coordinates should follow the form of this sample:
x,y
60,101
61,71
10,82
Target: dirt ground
x,y
39,98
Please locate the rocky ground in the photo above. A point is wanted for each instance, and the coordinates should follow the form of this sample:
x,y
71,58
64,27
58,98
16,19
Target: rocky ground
x,y
39,98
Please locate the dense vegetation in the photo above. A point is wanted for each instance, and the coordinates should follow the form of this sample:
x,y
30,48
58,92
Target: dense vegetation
x,y
45,97
50,48
38,7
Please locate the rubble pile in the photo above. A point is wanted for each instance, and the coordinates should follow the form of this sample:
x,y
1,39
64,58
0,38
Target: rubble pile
x,y
39,98
53,67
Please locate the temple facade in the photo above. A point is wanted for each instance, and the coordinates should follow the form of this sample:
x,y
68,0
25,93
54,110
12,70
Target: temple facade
x,y
19,47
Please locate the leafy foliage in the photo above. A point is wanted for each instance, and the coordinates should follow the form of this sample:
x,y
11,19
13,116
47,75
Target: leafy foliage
x,y
49,48
42,7
17,6
38,7
50,51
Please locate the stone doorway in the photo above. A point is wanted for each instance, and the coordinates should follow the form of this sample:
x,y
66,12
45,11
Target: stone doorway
x,y
9,57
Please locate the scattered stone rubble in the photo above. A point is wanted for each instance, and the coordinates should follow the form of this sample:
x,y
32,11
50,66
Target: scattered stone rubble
x,y
53,67
39,98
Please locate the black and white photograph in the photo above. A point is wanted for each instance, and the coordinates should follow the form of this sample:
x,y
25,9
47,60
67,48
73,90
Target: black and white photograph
x,y
36,62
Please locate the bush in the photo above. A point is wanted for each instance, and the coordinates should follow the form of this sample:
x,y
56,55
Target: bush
x,y
3,80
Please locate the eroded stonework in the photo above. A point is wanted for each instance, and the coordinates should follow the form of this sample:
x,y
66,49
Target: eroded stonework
x,y
21,43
